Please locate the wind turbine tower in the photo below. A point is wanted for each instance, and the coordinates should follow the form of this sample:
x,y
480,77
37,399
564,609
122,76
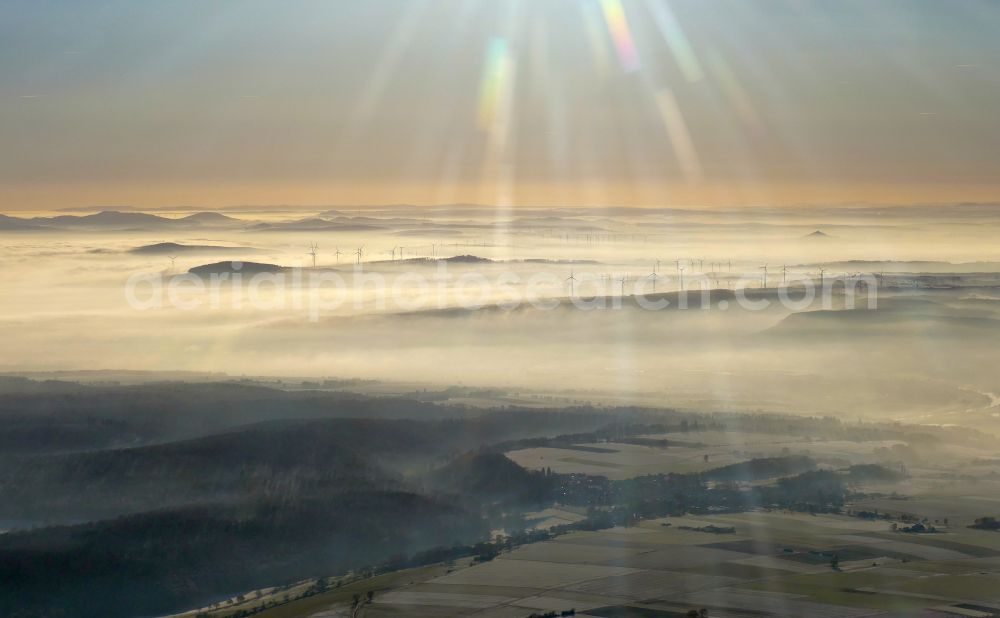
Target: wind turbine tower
x,y
572,282
312,251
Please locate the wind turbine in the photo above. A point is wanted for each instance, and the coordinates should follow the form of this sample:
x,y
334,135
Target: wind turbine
x,y
822,271
654,277
337,253
680,270
312,251
623,280
360,252
572,282
784,274
764,267
173,258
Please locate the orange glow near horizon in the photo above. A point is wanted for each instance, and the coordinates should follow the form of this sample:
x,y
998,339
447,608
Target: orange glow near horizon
x,y
19,199
514,103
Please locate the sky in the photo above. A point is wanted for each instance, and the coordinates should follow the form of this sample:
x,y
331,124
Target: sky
x,y
510,102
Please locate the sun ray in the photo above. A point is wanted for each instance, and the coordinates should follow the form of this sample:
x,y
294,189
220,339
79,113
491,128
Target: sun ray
x,y
680,136
677,40
734,91
617,22
596,38
494,87
383,73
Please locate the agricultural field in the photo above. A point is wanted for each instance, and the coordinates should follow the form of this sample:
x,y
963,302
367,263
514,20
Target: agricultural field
x,y
962,501
752,564
739,565
554,516
773,564
689,452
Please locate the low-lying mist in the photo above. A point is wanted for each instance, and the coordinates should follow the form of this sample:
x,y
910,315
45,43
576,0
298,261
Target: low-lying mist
x,y
505,313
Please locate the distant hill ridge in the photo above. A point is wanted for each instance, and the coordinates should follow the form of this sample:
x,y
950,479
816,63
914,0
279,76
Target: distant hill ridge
x,y
235,266
817,234
118,220
167,248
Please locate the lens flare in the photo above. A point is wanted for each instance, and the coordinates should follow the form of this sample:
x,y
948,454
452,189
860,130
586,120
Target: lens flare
x,y
495,83
496,93
614,16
